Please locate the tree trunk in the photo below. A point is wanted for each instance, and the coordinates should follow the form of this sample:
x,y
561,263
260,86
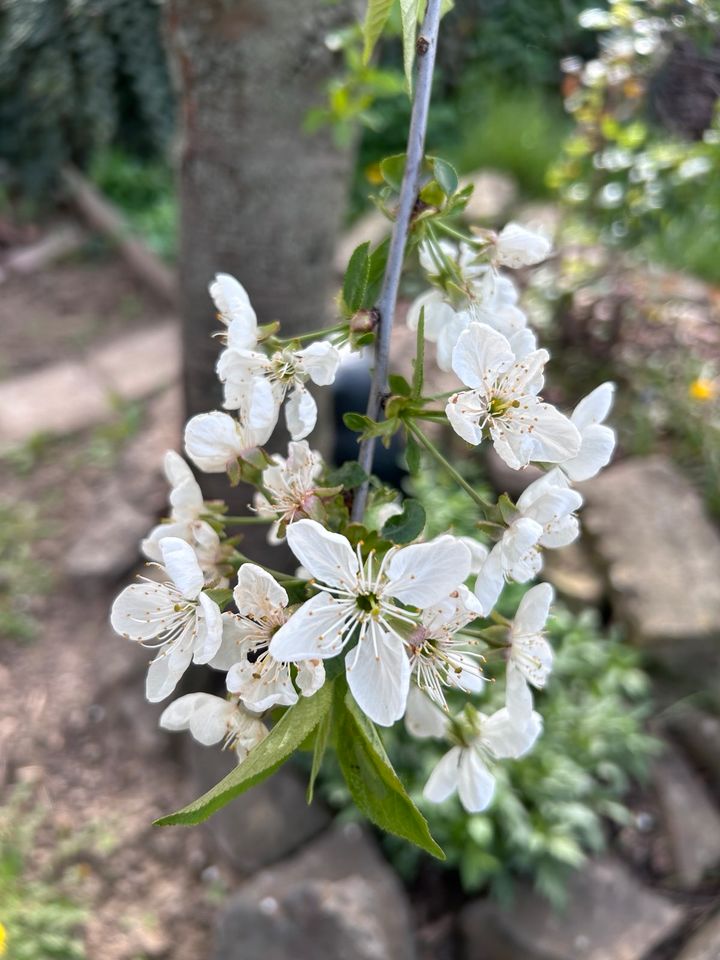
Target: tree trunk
x,y
260,198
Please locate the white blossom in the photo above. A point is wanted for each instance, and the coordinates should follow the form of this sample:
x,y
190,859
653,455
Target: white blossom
x,y
516,246
530,655
423,718
260,384
503,401
173,615
290,486
545,518
215,441
440,656
186,510
235,311
212,719
597,441
467,769
253,673
362,600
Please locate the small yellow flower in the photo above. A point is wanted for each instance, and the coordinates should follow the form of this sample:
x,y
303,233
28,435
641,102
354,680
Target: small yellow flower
x,y
3,940
703,389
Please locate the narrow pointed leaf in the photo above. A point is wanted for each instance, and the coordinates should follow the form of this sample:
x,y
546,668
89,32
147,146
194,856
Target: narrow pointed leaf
x,y
376,17
373,784
419,361
282,741
409,10
356,278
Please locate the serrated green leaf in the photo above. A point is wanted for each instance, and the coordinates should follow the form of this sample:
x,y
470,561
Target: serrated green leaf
x,y
409,12
373,784
356,278
446,175
399,385
322,735
406,526
376,17
349,475
392,170
284,738
378,262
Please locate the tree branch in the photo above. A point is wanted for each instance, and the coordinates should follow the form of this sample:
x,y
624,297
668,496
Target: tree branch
x,y
409,189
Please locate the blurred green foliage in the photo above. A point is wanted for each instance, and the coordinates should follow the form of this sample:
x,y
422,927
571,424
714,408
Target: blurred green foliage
x,y
40,918
145,192
23,577
76,75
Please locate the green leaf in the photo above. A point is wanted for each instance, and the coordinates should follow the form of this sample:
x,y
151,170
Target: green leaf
x,y
378,262
446,175
419,361
321,741
399,385
356,278
357,422
264,759
409,12
349,475
405,526
413,455
392,170
221,596
376,17
373,784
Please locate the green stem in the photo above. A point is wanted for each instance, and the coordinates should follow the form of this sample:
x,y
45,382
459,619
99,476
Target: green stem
x,y
451,231
315,333
426,442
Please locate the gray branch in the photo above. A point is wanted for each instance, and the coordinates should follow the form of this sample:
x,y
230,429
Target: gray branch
x,y
387,301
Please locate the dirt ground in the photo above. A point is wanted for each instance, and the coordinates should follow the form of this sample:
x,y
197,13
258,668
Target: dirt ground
x,y
73,722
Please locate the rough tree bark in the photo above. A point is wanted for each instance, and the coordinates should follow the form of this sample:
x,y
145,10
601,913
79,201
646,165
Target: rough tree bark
x,y
259,198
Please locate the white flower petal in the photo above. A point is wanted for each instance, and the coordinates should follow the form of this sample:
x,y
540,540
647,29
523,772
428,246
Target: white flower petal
x,y
210,630
262,685
505,738
320,361
476,785
423,718
215,440
233,306
378,674
310,676
141,611
595,407
518,697
596,450
519,247
481,353
534,608
425,573
317,629
300,413
165,672
465,411
327,556
234,644
443,781
257,594
182,566
490,580
438,314
209,720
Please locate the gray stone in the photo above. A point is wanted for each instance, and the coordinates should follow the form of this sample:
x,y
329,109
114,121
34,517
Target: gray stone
x,y
336,899
67,397
661,551
705,944
263,825
609,916
574,575
699,734
493,195
691,820
107,548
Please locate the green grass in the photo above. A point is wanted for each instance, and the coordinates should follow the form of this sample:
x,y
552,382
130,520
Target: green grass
x,y
22,575
145,193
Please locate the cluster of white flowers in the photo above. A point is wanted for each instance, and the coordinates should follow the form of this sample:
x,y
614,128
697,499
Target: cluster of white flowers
x,y
407,621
